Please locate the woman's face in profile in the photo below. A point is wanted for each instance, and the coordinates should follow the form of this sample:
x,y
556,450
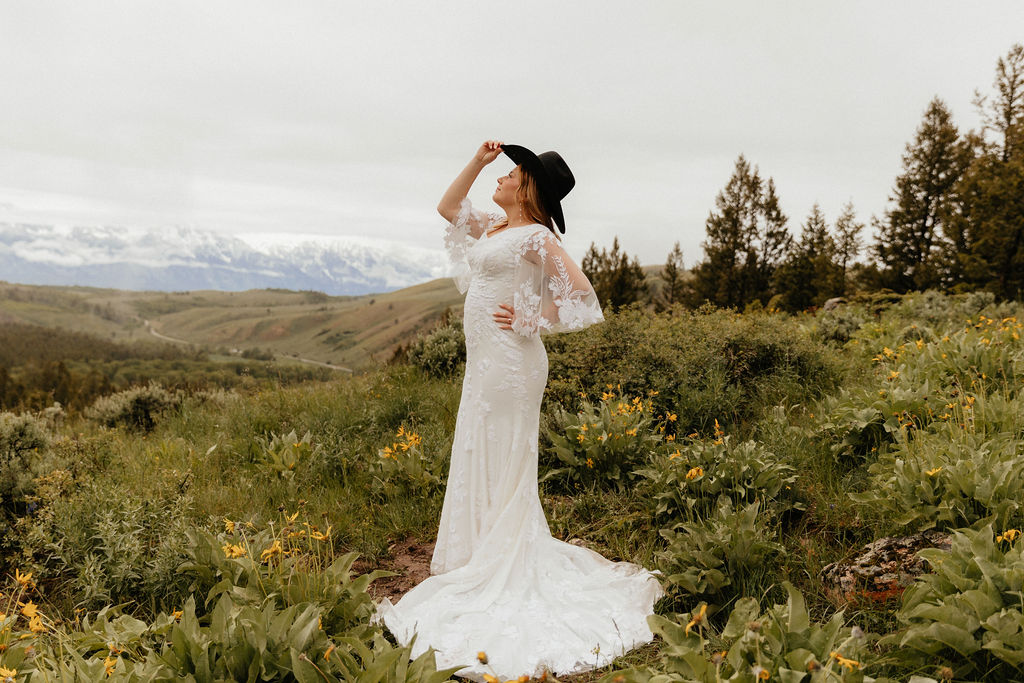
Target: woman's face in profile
x,y
508,185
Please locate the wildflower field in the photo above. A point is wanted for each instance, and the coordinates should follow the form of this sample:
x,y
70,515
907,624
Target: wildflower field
x,y
238,535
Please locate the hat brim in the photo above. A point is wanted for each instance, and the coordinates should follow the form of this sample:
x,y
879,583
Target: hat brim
x,y
528,160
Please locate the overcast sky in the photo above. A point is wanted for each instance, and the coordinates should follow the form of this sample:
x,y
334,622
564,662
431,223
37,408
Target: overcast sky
x,y
351,118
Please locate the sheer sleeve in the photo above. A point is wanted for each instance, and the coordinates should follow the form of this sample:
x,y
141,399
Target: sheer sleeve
x,y
469,224
551,293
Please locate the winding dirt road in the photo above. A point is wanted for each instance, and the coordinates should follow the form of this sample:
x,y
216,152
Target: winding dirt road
x,y
149,326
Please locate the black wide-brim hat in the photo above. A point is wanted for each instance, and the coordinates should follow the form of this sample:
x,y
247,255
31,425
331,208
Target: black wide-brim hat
x,y
554,179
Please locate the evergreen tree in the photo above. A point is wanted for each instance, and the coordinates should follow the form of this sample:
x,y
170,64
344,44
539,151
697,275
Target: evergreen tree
x,y
848,243
986,225
746,240
1004,113
909,245
810,274
672,288
617,280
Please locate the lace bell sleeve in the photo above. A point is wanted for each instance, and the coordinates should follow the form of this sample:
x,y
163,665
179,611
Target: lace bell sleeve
x,y
551,294
467,225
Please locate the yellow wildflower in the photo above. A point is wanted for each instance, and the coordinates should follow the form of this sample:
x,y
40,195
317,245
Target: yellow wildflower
x,y
7,675
583,427
490,678
670,437
318,536
718,430
607,395
590,463
291,518
1010,535
671,417
35,624
327,655
229,526
177,614
232,550
274,549
932,473
894,374
920,344
580,438
887,351
695,473
843,661
675,455
631,432
697,618
29,609
108,665
25,580
481,657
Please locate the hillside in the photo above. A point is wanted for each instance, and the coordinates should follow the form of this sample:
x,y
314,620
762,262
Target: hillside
x,y
353,332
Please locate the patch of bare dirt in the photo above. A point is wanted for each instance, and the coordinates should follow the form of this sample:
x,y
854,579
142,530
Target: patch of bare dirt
x,y
409,559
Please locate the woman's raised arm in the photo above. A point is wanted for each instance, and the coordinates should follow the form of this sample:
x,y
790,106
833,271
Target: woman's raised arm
x,y
448,207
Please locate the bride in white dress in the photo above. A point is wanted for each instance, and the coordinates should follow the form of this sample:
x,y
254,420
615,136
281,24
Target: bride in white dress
x,y
501,583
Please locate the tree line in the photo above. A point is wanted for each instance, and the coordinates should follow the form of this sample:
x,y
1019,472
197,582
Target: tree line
x,y
954,221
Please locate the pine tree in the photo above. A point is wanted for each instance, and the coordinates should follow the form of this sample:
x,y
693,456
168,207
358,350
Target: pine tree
x,y
672,288
617,280
1004,113
986,223
909,245
848,243
810,274
746,240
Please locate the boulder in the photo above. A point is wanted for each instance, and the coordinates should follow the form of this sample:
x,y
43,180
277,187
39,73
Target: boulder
x,y
883,569
833,303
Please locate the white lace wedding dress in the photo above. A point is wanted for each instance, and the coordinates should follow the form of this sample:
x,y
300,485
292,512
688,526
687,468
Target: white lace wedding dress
x,y
501,583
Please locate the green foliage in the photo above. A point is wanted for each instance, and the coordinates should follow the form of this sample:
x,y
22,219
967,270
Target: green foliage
x,y
404,468
617,280
136,408
720,557
602,444
702,366
782,643
22,439
442,352
283,454
948,481
703,474
968,612
288,617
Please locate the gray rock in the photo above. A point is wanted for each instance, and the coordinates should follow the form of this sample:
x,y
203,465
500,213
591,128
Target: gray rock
x,y
883,569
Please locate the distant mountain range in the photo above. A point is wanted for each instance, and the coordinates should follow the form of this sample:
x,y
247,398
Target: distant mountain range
x,y
182,259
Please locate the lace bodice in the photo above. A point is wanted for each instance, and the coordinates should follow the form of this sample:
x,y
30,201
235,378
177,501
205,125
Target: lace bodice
x,y
523,266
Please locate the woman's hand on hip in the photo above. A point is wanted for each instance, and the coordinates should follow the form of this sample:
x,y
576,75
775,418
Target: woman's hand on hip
x,y
488,151
504,318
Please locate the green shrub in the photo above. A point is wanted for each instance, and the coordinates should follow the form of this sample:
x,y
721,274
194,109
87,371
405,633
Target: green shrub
x,y
783,643
136,408
947,481
968,612
703,365
600,445
702,474
23,440
442,352
107,545
722,556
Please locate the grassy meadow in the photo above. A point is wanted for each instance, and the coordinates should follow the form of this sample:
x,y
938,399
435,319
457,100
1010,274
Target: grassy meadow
x,y
204,534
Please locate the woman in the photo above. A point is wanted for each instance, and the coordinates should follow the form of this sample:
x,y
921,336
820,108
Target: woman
x,y
501,583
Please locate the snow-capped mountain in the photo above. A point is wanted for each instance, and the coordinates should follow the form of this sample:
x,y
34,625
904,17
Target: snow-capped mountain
x,y
180,259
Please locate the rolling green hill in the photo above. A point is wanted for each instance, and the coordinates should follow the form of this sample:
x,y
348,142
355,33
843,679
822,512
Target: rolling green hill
x,y
353,332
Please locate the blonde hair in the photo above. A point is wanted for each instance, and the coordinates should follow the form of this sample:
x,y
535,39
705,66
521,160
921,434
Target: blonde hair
x,y
528,197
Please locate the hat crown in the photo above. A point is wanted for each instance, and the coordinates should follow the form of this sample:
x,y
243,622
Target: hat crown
x,y
552,174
